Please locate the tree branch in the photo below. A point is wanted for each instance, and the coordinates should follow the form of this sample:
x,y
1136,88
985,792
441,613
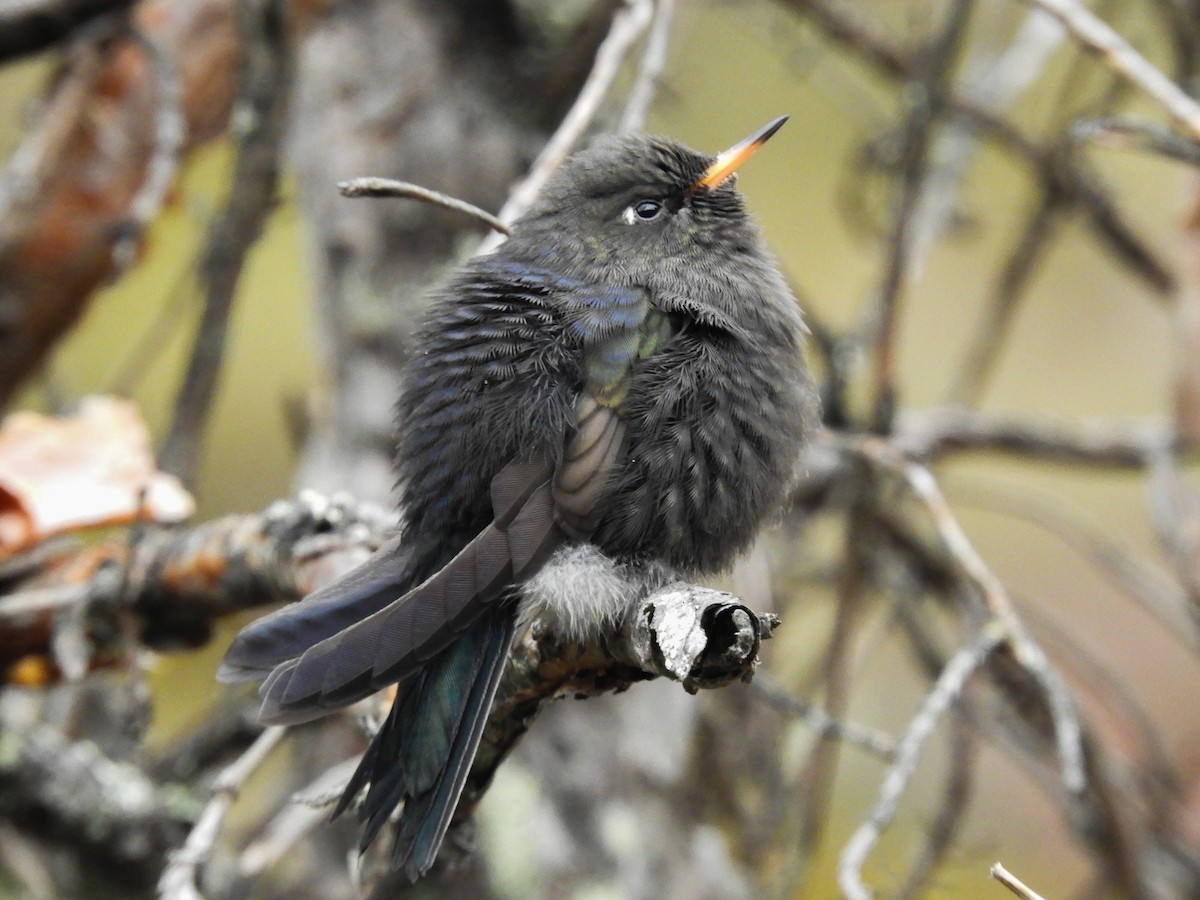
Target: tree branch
x,y
36,25
266,76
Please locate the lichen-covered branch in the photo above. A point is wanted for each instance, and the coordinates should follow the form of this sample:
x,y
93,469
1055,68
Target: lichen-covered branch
x,y
176,583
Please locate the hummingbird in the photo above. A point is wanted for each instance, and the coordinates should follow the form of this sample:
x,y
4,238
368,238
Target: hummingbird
x,y
615,398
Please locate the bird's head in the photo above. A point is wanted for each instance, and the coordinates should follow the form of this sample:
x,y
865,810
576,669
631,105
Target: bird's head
x,y
633,206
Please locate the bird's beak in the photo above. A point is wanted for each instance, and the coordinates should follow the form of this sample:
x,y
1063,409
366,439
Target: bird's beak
x,y
727,161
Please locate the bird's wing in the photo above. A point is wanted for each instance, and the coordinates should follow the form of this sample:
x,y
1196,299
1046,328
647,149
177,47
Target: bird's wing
x,y
287,632
445,641
390,644
364,632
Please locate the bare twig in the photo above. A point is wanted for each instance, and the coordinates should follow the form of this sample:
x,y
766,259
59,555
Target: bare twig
x,y
1122,133
67,199
1176,508
371,186
956,796
1100,817
1151,588
169,134
937,433
948,687
838,23
878,743
34,25
821,765
307,810
178,582
178,881
1120,56
654,59
263,92
1068,733
1149,757
627,26
926,108
992,82
1014,884
40,150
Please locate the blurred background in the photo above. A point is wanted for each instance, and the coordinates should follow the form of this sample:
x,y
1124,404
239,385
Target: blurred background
x,y
962,190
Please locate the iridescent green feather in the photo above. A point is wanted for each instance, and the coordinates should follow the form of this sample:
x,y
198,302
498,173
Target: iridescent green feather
x,y
610,363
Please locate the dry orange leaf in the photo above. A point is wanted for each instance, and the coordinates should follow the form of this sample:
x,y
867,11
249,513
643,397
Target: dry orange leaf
x,y
61,474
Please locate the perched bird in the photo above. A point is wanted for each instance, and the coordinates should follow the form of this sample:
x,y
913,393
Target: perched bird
x,y
615,397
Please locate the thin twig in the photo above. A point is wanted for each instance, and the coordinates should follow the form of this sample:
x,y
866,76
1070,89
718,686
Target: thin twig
x,y
948,687
627,26
35,25
654,60
178,881
1147,756
1176,508
938,433
371,186
307,810
1013,883
870,45
927,107
956,797
1068,732
878,743
21,605
169,134
1122,133
1098,816
819,769
262,101
40,150
993,81
1120,56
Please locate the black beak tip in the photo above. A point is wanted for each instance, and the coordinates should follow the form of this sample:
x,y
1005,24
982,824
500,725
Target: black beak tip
x,y
771,127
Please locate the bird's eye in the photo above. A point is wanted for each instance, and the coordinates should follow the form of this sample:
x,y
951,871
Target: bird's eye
x,y
643,211
646,210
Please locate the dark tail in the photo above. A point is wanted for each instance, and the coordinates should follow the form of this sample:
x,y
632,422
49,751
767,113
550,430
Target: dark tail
x,y
423,753
442,642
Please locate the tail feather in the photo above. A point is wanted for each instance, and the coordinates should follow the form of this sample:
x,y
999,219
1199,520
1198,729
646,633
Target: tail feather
x,y
443,642
423,753
384,750
429,808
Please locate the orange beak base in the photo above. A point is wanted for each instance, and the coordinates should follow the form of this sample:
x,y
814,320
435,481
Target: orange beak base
x,y
728,161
